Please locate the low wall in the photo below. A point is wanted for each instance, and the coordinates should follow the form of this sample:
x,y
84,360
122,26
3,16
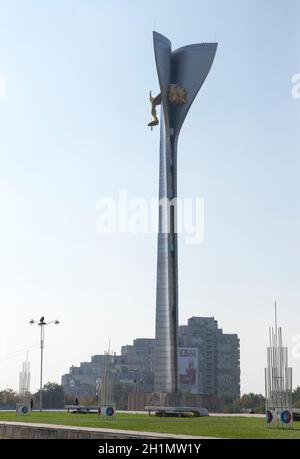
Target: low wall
x,y
25,430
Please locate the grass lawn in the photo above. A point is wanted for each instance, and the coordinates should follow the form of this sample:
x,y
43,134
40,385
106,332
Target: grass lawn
x,y
213,426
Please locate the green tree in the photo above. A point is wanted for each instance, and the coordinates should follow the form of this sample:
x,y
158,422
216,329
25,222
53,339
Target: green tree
x,y
8,398
247,402
53,396
296,397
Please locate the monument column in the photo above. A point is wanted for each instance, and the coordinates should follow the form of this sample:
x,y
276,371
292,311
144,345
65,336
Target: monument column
x,y
181,74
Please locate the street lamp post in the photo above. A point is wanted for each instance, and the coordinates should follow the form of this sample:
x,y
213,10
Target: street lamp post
x,y
42,324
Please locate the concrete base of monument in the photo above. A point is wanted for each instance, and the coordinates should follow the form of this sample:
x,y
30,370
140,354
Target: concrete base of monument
x,y
139,401
177,411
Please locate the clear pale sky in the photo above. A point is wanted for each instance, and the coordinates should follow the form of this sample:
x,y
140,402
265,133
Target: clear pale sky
x,y
73,130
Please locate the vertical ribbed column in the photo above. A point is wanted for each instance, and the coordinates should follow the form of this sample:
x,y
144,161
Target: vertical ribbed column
x,y
166,287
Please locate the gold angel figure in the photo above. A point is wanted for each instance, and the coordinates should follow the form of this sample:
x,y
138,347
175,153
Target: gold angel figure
x,y
154,101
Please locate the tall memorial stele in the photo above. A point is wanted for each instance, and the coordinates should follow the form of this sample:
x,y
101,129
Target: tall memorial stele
x,y
181,74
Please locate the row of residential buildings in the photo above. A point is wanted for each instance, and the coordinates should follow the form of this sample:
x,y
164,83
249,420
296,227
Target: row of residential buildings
x,y
209,363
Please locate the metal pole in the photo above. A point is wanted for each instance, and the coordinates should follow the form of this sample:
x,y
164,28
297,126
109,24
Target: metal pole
x,y
41,378
276,321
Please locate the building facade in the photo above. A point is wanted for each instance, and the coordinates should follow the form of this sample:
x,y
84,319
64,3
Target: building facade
x,y
133,370
215,368
218,356
82,380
